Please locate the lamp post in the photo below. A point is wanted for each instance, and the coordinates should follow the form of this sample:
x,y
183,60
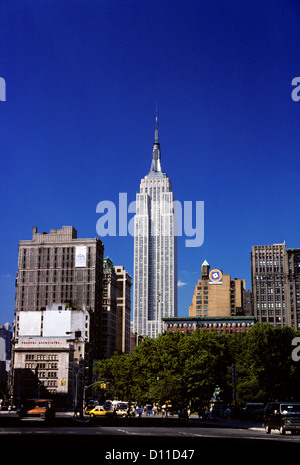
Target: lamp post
x,y
76,390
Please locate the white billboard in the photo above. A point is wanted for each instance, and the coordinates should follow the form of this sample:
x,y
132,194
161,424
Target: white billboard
x,y
80,256
56,323
29,323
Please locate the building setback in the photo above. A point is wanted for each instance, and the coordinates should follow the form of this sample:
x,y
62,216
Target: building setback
x,y
216,294
155,250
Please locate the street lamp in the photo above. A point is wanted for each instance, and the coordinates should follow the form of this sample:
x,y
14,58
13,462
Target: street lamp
x,y
77,372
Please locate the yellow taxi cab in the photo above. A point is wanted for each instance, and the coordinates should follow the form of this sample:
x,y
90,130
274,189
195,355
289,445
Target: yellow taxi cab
x,y
99,411
89,408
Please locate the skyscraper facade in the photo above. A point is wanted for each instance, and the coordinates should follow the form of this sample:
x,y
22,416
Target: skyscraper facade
x,y
268,272
60,268
123,309
275,273
155,250
116,309
293,287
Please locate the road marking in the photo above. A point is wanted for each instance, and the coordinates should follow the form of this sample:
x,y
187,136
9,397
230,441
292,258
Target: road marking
x,y
127,432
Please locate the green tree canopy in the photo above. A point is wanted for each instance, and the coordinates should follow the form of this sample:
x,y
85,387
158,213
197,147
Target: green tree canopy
x,y
183,368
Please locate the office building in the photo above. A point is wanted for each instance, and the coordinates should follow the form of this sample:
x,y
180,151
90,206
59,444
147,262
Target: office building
x,y
5,358
58,308
155,250
49,354
123,310
247,302
275,272
109,309
116,309
293,287
268,283
216,294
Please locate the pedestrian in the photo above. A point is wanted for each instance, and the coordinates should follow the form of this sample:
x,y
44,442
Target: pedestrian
x,y
228,413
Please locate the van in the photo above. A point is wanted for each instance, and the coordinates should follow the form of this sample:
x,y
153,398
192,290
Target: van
x,y
284,416
37,410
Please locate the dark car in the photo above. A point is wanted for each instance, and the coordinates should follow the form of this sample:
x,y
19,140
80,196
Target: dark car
x,y
284,416
254,411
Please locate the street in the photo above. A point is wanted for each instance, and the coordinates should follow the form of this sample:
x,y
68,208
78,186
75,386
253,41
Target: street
x,y
153,438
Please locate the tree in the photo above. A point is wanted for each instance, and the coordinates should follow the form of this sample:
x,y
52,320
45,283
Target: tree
x,y
184,368
265,369
116,373
207,362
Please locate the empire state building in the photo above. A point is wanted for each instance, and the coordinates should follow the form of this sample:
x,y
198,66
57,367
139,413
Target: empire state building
x,y
155,250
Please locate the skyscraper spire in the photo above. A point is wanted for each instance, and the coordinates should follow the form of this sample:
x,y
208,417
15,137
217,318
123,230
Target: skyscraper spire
x,y
156,128
155,165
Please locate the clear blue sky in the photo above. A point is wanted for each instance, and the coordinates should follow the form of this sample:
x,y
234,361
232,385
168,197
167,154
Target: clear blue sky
x,y
83,78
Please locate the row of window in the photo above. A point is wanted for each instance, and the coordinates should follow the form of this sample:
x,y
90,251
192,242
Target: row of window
x,y
270,312
41,357
263,269
34,366
47,374
268,262
271,305
52,257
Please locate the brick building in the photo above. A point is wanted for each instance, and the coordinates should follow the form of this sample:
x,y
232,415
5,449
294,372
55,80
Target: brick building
x,y
229,324
216,294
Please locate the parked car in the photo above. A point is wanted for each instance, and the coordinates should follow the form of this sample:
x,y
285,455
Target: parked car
x,y
284,416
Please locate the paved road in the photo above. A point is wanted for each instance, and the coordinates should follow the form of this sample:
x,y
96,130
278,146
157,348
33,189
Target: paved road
x,y
152,439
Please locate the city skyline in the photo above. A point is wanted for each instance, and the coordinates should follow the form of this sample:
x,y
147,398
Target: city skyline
x,y
81,89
